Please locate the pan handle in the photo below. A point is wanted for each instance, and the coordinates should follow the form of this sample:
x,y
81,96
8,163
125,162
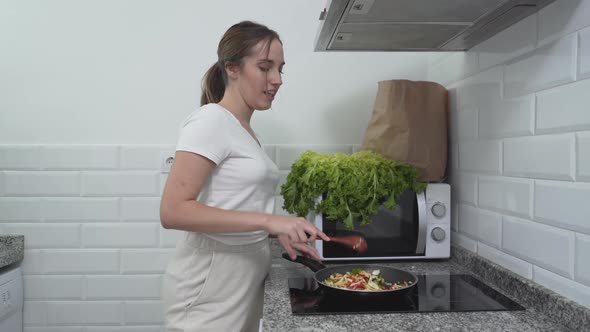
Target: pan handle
x,y
310,263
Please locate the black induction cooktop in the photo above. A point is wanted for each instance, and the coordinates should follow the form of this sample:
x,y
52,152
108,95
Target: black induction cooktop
x,y
433,293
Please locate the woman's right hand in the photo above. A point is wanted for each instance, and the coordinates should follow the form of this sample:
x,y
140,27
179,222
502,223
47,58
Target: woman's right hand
x,y
297,229
292,248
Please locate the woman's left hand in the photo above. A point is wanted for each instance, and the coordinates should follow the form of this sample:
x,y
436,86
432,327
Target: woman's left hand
x,y
302,247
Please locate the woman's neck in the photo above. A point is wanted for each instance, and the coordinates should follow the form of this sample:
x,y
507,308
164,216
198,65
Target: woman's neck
x,y
237,106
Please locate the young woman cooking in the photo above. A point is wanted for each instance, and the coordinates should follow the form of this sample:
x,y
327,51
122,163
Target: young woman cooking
x,y
220,191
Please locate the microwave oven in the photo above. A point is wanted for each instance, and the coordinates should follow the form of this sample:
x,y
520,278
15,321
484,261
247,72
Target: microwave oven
x,y
418,229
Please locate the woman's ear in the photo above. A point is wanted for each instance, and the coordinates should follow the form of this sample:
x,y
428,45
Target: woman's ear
x,y
232,70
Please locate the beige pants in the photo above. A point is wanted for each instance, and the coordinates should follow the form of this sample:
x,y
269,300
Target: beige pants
x,y
210,286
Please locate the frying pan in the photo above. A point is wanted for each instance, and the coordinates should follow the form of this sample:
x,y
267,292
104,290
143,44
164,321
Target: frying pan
x,y
390,274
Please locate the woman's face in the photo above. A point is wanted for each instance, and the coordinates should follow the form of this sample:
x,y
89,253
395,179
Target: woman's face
x,y
259,77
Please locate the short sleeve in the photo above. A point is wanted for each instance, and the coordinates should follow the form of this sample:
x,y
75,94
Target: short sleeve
x,y
206,133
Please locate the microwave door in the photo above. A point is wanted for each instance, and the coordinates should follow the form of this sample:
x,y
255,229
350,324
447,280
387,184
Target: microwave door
x,y
421,241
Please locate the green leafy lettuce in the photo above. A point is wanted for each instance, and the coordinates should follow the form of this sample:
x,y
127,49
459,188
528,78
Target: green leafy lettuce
x,y
354,186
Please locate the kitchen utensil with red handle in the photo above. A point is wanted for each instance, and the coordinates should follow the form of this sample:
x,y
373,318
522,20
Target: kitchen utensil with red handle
x,y
354,242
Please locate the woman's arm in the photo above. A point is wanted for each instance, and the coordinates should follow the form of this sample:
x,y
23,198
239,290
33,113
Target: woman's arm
x,y
180,210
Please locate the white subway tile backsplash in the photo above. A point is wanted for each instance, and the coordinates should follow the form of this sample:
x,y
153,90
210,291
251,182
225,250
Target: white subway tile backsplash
x,y
134,287
455,218
46,235
53,287
481,225
489,228
582,270
564,286
465,188
468,220
563,108
511,263
561,18
583,156
20,209
466,123
480,156
162,183
454,156
584,53
453,67
545,156
546,246
54,329
140,209
32,262
84,313
120,235
270,151
479,90
530,96
20,157
79,157
436,57
80,261
287,154
141,328
509,195
122,183
80,209
34,313
511,117
563,204
18,183
508,44
169,237
545,67
464,242
136,157
145,260
143,312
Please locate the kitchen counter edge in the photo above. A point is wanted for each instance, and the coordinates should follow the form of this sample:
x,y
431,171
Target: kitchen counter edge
x,y
12,248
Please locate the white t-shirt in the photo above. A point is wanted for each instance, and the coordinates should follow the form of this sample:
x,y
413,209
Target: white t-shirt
x,y
244,179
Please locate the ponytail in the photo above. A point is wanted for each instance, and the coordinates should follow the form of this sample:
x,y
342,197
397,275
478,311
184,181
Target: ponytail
x,y
213,85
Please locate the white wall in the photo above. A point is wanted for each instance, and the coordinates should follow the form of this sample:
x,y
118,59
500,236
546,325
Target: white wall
x,y
521,147
92,91
112,72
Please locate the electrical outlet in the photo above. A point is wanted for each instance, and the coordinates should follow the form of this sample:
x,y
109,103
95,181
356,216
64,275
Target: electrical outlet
x,y
166,161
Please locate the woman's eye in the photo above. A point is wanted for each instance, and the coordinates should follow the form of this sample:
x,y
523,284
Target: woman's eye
x,y
264,69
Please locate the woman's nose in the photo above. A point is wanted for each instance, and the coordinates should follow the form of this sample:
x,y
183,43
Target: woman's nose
x,y
275,78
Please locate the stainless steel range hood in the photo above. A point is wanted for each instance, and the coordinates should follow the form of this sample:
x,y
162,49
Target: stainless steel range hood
x,y
417,25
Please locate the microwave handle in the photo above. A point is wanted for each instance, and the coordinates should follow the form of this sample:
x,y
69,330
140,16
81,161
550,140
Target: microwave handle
x,y
421,243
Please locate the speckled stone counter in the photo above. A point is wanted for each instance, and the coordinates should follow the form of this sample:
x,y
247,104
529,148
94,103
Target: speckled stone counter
x,y
11,249
277,309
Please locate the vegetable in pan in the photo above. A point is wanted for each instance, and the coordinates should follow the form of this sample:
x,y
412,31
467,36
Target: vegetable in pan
x,y
359,279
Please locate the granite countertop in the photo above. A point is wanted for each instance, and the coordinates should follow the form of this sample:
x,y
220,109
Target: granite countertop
x,y
11,249
277,309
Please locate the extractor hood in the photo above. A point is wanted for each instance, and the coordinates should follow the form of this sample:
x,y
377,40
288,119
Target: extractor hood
x,y
417,25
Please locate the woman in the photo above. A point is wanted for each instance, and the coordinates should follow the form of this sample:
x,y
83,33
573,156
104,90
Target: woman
x,y
215,281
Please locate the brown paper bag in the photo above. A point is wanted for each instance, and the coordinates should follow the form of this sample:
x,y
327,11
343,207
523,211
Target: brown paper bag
x,y
409,124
